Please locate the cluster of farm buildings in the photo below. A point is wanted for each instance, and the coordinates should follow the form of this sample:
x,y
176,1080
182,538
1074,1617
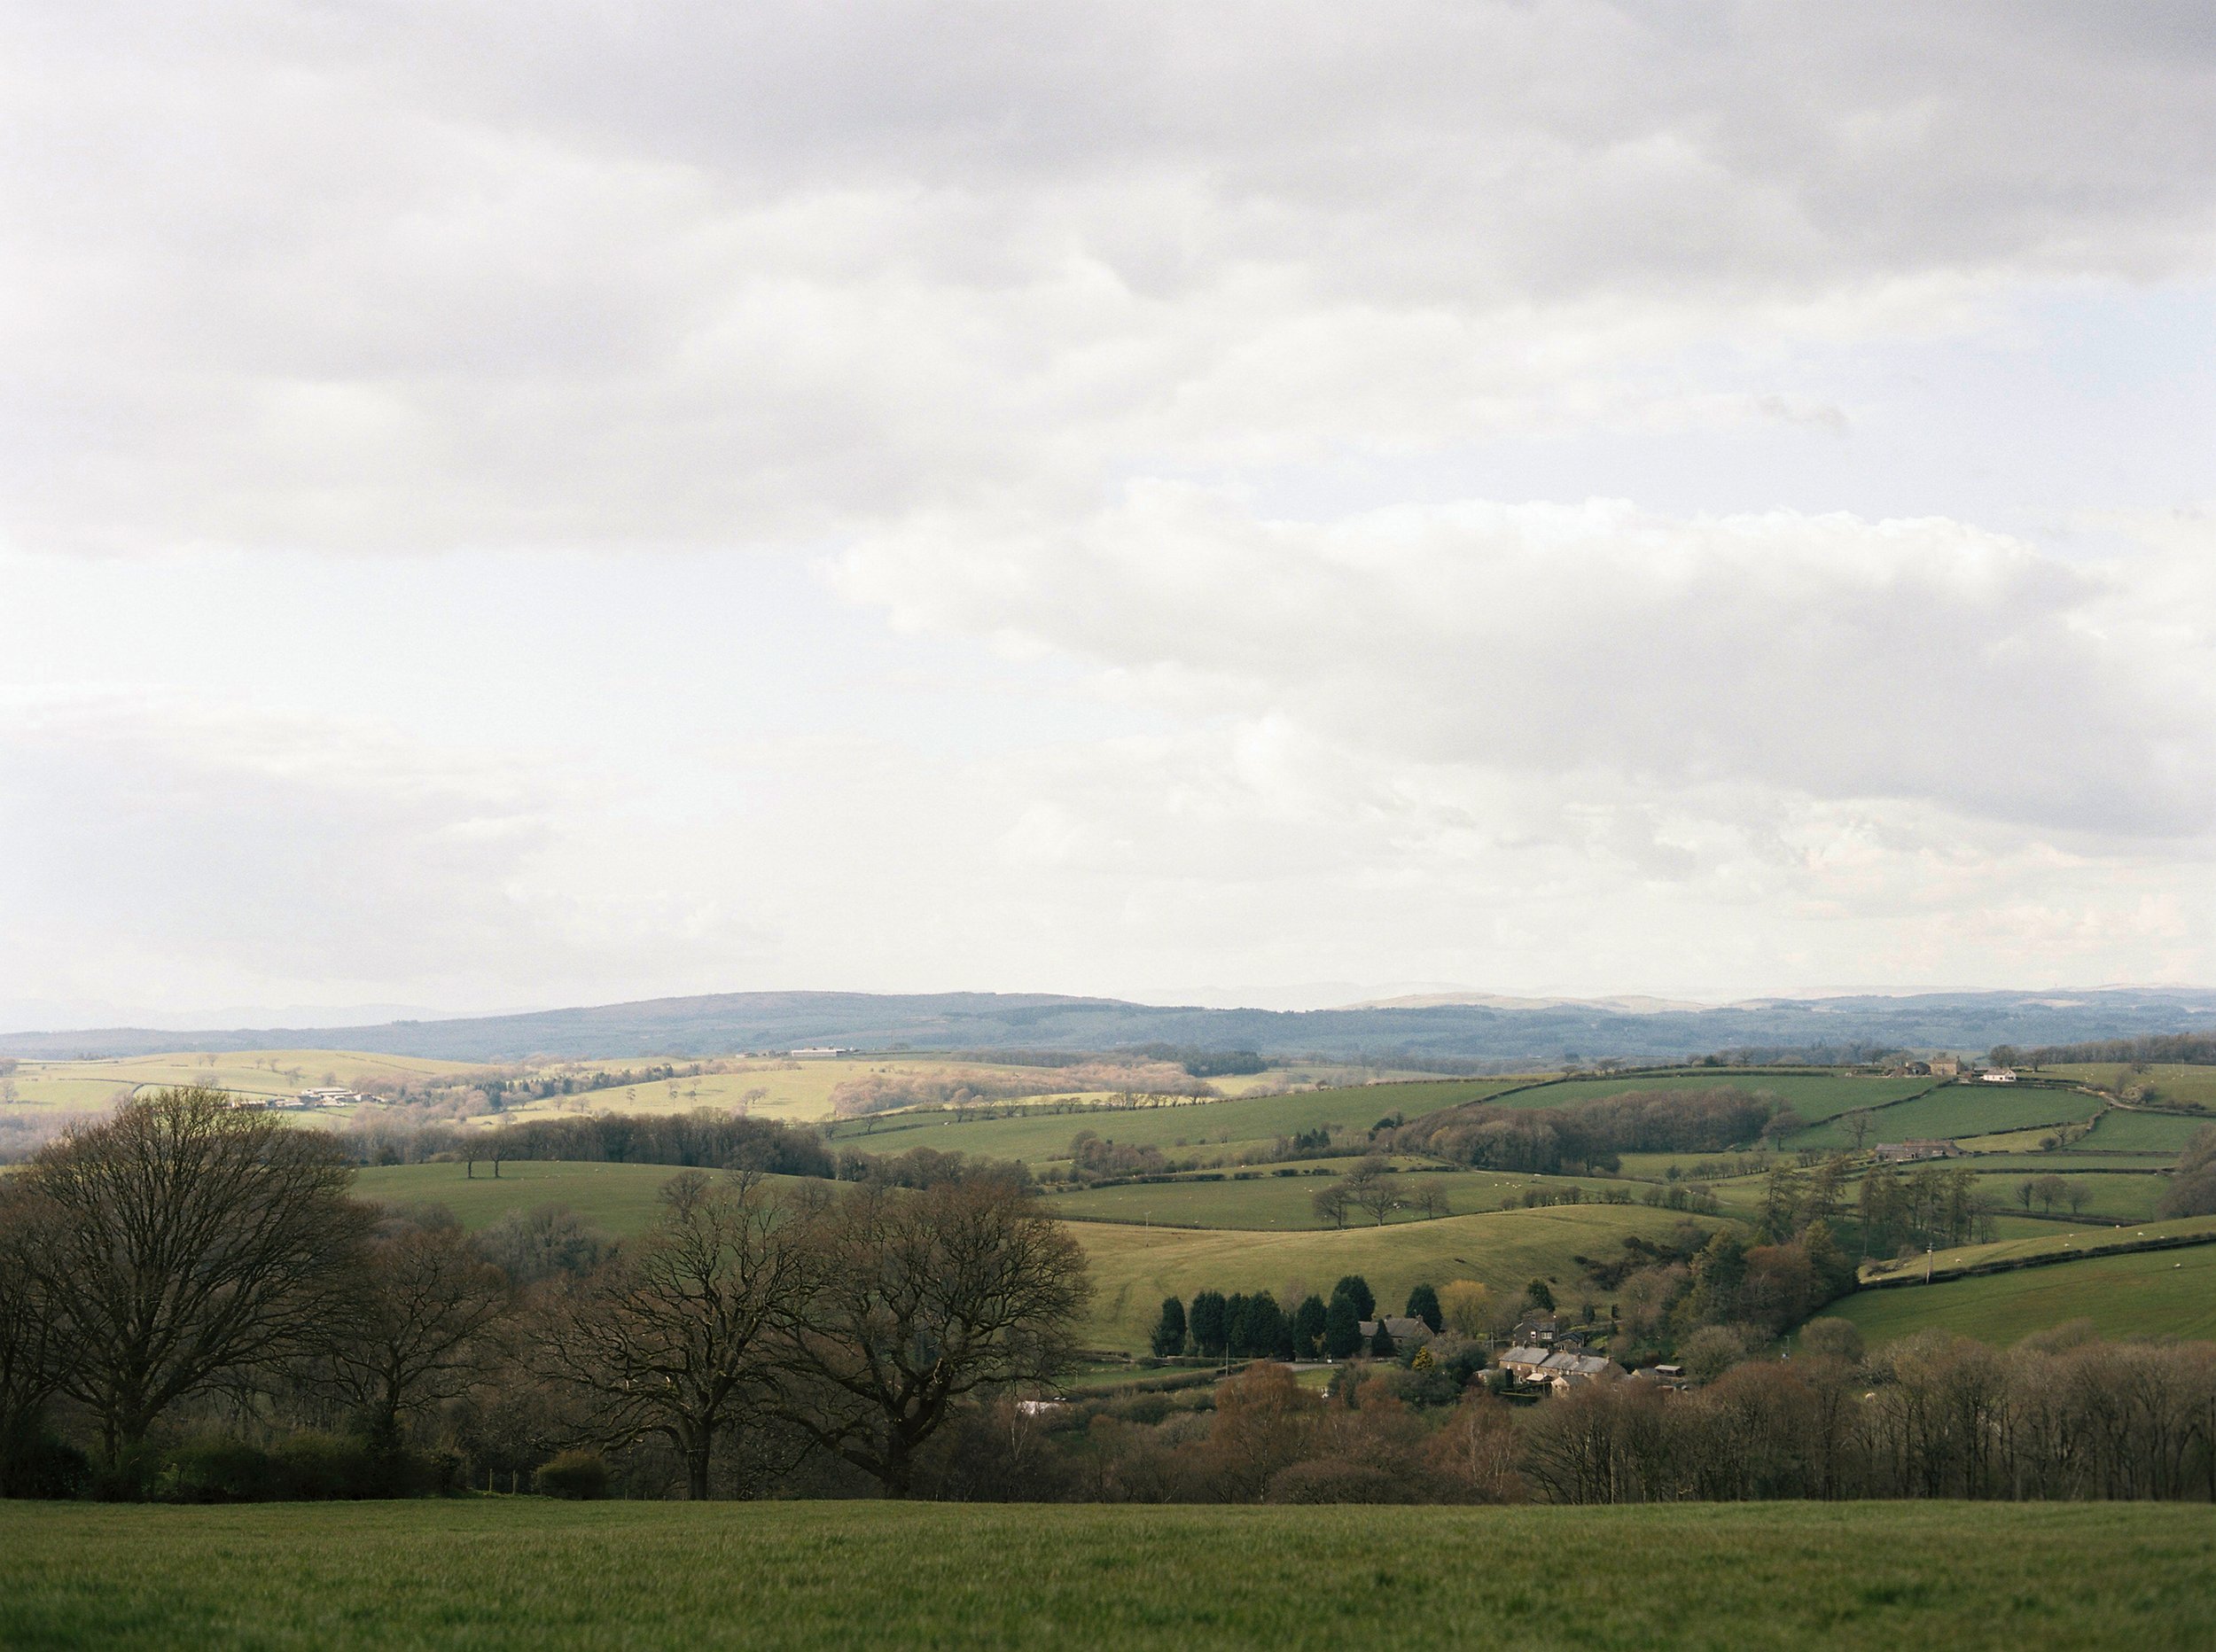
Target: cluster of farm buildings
x,y
1543,1354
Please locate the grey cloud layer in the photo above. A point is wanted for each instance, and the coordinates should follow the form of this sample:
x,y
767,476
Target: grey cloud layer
x,y
367,276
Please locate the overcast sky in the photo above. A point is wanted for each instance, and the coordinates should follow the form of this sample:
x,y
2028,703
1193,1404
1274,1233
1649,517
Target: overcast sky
x,y
506,505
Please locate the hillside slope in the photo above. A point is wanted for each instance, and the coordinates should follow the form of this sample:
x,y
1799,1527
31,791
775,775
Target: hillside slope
x,y
1546,1035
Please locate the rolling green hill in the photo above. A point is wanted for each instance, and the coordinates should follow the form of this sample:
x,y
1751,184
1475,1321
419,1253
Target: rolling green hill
x,y
1286,1204
2119,1130
1039,1136
1961,1109
620,1199
1134,1268
1815,1095
2152,1293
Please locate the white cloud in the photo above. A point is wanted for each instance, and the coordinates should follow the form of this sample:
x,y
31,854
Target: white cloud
x,y
1825,659
918,289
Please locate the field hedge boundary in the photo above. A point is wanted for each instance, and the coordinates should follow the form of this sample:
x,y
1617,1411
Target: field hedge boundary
x,y
2009,1264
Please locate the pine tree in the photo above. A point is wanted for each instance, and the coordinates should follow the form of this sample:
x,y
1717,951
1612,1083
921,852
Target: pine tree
x,y
1168,1340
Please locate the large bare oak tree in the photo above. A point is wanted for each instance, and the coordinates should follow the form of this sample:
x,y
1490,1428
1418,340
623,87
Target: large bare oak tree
x,y
184,1241
921,1297
673,1338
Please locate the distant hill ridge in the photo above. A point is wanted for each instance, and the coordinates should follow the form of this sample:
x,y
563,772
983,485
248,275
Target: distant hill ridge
x,y
1498,1032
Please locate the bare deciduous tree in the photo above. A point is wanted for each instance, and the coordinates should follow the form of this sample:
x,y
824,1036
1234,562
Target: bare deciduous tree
x,y
673,1337
1367,1189
922,1298
27,1339
185,1241
412,1335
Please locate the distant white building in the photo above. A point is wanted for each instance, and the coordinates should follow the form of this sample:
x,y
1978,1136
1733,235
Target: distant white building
x,y
1998,1075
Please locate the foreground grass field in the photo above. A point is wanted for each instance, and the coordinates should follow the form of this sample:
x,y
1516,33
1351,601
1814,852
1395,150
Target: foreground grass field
x,y
2151,1293
526,1573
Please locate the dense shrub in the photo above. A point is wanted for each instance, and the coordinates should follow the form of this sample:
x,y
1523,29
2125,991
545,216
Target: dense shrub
x,y
581,1476
41,1465
1333,1480
214,1469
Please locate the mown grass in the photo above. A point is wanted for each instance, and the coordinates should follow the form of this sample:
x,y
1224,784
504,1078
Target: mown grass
x,y
2148,1293
2051,1238
492,1574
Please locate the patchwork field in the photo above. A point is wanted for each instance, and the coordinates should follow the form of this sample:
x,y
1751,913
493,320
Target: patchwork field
x,y
525,1573
2118,1195
2052,1238
2119,1130
2148,1293
2167,1084
1814,1095
1038,1138
87,1084
1961,1109
1134,1268
1286,1204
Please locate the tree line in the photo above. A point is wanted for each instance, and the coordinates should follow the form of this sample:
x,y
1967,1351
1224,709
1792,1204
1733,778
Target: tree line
x,y
192,1304
2065,1415
1592,1135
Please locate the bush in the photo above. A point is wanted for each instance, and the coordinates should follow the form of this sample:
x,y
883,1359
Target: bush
x,y
41,1465
1334,1480
212,1469
328,1468
581,1475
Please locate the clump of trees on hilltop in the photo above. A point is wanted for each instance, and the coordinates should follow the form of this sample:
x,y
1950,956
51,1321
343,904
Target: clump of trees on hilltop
x,y
1591,1135
193,1307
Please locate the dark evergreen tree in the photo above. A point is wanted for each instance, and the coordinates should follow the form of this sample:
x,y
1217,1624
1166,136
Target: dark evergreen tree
x,y
1342,1327
1265,1326
1169,1331
1537,1296
1356,1289
1235,1326
1205,1322
1424,1304
1382,1345
1308,1328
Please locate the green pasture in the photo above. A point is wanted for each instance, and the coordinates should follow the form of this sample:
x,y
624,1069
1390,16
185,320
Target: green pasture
x,y
1205,1128
2119,1130
1286,1204
490,1574
1134,1267
2164,1082
2148,1293
2050,1238
2067,1162
618,1198
1960,1110
1815,1095
2122,1195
